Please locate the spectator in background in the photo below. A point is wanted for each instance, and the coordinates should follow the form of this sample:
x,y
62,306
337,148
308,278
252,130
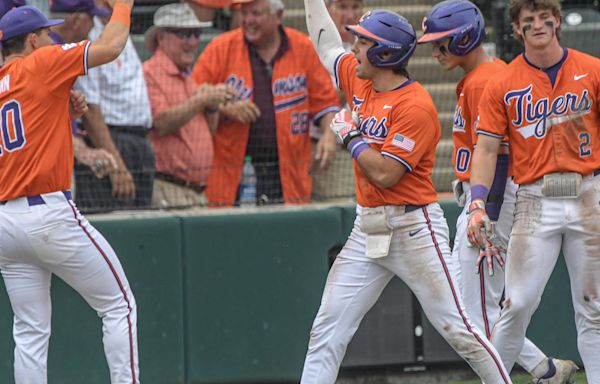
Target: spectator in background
x,y
337,181
345,12
180,135
280,86
77,15
118,102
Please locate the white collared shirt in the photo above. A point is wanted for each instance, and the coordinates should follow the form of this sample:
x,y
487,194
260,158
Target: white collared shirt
x,y
118,87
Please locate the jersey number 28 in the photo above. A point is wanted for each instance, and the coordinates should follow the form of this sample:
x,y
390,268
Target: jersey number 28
x,y
11,125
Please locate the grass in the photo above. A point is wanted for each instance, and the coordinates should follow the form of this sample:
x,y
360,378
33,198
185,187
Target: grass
x,y
523,379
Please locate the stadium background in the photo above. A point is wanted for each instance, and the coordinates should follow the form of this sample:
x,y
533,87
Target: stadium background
x,y
228,296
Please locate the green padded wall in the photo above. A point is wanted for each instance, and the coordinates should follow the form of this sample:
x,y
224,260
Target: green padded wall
x,y
150,251
253,286
230,298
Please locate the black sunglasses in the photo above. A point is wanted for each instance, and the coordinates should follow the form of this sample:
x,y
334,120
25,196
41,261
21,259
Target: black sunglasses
x,y
185,33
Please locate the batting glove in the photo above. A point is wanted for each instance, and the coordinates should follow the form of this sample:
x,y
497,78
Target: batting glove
x,y
344,126
480,232
479,226
490,252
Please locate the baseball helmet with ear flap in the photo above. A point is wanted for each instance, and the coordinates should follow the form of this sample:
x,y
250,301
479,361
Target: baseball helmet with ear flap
x,y
458,20
391,33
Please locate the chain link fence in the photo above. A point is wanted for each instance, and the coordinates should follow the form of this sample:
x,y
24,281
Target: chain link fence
x,y
284,166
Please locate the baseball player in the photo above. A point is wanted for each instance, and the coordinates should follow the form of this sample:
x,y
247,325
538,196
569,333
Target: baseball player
x,y
400,228
456,29
546,101
41,231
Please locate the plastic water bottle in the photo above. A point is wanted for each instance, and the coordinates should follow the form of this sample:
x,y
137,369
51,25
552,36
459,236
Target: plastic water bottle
x,y
248,184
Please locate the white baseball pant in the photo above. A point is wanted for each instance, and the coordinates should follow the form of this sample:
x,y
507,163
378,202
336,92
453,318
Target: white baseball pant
x,y
541,226
424,262
481,292
45,235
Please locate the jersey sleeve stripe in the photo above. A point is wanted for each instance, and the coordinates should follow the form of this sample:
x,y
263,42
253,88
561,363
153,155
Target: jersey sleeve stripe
x,y
399,159
320,114
485,133
336,65
85,57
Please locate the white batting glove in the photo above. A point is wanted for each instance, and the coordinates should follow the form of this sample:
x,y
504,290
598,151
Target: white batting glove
x,y
344,125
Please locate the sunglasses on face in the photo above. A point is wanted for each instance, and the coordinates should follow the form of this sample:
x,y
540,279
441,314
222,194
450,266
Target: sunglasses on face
x,y
185,33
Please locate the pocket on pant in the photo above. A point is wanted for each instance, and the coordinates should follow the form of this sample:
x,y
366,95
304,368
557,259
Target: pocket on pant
x,y
52,243
528,212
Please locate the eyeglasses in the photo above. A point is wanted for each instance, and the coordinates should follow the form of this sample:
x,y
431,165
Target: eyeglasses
x,y
185,33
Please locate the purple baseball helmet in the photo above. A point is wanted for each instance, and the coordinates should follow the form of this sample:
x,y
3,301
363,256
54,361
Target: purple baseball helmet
x,y
458,20
391,33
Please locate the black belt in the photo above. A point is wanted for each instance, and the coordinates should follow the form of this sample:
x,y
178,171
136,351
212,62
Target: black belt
x,y
176,180
137,130
410,208
38,200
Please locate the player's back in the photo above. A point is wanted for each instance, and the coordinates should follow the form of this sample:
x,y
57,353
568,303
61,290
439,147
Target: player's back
x,y
36,145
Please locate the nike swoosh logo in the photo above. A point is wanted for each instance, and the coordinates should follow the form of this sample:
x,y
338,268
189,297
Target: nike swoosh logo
x,y
387,107
579,77
412,233
320,33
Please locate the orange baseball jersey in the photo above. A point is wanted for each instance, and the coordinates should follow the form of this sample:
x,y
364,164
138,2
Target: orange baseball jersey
x,y
468,94
302,90
401,124
551,129
36,146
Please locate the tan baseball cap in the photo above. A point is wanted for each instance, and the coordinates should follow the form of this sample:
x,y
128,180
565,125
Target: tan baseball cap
x,y
177,15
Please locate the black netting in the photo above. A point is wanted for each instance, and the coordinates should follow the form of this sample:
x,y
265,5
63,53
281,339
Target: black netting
x,y
273,171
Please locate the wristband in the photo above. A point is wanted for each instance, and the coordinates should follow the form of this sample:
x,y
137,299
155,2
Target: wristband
x,y
211,110
121,13
479,192
356,146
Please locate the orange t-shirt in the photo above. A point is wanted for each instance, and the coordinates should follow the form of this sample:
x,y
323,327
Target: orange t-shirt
x,y
36,145
403,125
551,129
466,114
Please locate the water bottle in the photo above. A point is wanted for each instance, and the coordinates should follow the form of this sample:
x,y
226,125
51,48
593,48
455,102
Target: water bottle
x,y
248,184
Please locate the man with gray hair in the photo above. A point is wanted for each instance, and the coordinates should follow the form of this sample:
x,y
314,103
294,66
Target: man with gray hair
x,y
281,86
180,135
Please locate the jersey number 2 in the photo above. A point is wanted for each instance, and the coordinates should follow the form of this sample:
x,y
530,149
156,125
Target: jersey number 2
x,y
584,142
13,135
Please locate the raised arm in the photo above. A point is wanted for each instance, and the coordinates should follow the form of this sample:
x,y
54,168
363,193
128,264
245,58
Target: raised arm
x,y
111,42
323,33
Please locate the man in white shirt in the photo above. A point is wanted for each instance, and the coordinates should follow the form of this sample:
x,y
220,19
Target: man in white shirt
x,y
118,98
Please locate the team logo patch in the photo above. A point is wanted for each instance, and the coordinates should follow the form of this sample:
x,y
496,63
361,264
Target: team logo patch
x,y
66,47
403,142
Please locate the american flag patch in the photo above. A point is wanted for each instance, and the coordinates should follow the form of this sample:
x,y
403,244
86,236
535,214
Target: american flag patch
x,y
403,142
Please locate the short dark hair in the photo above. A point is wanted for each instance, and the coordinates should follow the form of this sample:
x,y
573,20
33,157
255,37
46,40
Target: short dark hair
x,y
402,72
516,6
16,44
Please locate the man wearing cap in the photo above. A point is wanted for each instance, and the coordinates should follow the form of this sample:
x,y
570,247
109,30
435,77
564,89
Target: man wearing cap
x,y
281,86
118,103
180,135
41,231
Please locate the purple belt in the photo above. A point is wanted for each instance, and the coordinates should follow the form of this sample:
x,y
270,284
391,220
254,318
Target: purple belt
x,y
38,200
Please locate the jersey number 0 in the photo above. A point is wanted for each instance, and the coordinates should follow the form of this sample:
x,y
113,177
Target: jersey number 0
x,y
13,134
